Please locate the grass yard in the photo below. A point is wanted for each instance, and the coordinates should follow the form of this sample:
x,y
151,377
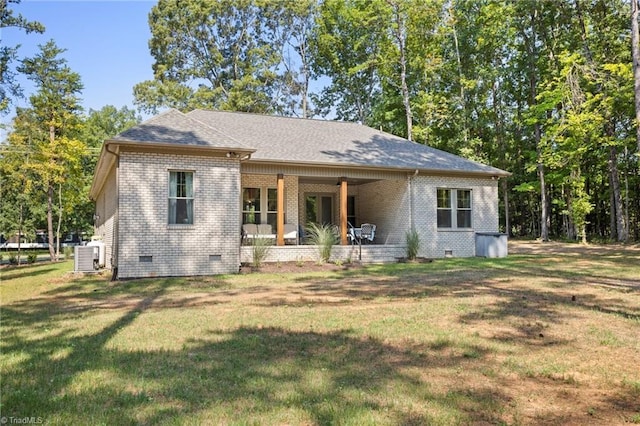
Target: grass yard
x,y
549,335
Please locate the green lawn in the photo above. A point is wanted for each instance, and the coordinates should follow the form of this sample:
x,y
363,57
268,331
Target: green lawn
x,y
547,337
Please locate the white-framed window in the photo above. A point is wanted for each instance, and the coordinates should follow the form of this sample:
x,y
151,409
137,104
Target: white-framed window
x,y
272,207
251,205
260,205
454,208
463,208
180,198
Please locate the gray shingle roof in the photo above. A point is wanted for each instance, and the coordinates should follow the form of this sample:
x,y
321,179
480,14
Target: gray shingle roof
x,y
175,128
305,141
295,140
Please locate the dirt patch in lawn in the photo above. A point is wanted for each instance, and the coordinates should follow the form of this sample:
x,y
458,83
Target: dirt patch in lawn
x,y
574,249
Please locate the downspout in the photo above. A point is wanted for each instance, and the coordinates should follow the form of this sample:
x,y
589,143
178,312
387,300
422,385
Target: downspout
x,y
116,219
245,158
411,200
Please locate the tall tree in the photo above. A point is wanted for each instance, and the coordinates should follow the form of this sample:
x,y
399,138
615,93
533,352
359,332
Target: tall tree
x,y
48,128
9,88
635,51
96,127
346,48
20,200
214,54
294,92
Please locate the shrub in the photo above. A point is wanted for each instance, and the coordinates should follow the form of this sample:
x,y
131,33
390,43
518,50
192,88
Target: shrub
x,y
261,248
32,257
413,244
324,236
68,252
13,259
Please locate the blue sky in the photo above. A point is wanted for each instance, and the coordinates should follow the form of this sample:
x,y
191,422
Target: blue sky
x,y
106,42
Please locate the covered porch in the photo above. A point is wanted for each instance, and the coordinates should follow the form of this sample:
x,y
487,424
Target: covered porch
x,y
277,201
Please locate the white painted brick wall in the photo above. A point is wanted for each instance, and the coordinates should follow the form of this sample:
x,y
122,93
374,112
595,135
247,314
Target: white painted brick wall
x,y
106,206
385,203
178,249
434,242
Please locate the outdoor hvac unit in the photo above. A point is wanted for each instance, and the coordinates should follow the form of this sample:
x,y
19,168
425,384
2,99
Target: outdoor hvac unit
x,y
86,258
101,250
491,244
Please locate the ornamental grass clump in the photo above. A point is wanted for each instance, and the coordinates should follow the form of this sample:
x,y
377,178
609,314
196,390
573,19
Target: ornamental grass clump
x,y
413,244
261,248
325,237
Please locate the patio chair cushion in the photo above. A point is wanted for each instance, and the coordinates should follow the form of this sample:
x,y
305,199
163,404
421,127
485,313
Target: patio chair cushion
x,y
290,231
249,230
264,229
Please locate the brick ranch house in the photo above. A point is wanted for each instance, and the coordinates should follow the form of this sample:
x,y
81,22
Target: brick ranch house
x,y
173,192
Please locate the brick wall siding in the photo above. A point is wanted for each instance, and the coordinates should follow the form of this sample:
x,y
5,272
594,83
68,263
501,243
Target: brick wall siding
x,y
309,253
461,243
385,203
209,246
106,209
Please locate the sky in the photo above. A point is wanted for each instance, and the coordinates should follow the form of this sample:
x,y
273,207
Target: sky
x,y
106,43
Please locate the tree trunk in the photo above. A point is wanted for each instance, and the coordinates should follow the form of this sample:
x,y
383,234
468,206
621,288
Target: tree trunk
x,y
544,210
570,229
52,250
635,52
533,53
613,235
400,35
50,194
59,221
505,195
20,220
621,226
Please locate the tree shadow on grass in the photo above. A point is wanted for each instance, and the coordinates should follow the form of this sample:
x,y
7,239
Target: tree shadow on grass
x,y
12,273
464,278
271,374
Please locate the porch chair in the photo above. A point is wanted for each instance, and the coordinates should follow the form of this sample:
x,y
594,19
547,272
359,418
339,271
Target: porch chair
x,y
351,233
367,232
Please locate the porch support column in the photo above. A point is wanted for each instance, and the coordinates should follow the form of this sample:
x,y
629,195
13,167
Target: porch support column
x,y
280,211
343,211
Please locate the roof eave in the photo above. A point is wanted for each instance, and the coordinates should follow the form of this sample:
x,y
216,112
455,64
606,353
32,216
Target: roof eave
x,y
107,157
494,172
180,147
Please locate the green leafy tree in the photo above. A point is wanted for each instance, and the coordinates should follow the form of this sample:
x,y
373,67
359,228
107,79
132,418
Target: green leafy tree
x,y
346,47
9,88
214,54
48,130
97,126
20,200
293,94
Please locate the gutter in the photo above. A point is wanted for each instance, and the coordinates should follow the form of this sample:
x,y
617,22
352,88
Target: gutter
x,y
410,178
493,173
116,219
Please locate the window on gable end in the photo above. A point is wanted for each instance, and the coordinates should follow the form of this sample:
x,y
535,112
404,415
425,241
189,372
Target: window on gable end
x,y
181,198
444,208
454,208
